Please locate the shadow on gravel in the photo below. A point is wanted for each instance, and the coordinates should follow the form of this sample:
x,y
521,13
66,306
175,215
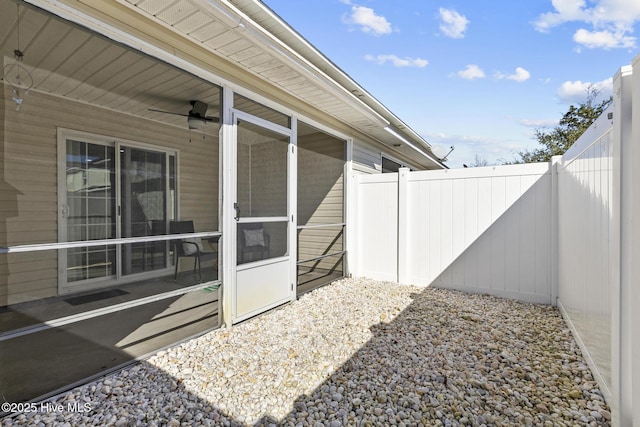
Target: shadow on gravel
x,y
488,361
439,362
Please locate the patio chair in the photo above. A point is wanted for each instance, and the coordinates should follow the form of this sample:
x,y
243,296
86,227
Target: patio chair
x,y
253,242
190,247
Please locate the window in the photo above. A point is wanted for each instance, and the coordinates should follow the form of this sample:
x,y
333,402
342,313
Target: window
x,y
390,166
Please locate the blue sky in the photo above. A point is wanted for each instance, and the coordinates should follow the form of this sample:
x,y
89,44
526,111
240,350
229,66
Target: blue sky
x,y
479,75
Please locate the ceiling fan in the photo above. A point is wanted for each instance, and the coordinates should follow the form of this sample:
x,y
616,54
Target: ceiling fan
x,y
196,118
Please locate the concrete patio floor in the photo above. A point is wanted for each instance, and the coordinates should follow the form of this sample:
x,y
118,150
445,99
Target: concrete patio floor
x,y
51,359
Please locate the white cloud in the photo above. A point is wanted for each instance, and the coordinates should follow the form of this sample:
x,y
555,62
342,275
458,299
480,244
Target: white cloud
x,y
566,11
452,23
537,124
368,21
397,62
467,147
576,91
622,12
603,39
520,75
611,21
471,72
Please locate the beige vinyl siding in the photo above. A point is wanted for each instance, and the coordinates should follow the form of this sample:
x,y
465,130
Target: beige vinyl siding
x,y
321,161
27,276
366,159
29,180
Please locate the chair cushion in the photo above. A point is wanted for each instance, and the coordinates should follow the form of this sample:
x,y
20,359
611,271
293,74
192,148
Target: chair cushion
x,y
254,237
190,248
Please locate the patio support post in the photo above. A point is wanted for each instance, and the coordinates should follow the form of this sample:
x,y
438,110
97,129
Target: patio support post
x,y
404,232
293,200
348,209
228,168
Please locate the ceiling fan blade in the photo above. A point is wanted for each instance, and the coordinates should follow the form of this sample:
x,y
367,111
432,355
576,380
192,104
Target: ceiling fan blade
x,y
198,110
167,112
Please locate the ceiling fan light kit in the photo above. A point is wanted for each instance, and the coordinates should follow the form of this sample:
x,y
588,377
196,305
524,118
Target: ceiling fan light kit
x,y
195,122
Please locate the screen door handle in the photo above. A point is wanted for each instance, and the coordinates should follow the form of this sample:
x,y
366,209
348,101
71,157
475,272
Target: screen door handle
x,y
237,209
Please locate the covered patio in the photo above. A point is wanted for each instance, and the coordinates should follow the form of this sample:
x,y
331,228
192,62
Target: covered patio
x,y
106,145
120,120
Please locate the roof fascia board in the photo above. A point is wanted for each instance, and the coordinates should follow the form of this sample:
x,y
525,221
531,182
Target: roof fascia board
x,y
246,23
413,147
335,69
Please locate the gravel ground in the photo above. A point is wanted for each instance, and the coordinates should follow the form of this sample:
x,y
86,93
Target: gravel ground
x,y
357,352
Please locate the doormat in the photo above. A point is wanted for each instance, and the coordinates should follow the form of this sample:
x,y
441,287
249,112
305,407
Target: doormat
x,y
95,297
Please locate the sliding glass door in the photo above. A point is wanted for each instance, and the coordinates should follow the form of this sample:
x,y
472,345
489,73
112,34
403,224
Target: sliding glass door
x,y
115,190
143,207
90,209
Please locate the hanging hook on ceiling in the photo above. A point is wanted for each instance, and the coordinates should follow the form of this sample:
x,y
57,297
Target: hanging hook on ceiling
x,y
18,77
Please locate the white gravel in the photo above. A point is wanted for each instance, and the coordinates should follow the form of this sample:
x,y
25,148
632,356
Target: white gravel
x,y
357,352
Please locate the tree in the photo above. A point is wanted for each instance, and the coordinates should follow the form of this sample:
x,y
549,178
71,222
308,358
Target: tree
x,y
559,139
478,162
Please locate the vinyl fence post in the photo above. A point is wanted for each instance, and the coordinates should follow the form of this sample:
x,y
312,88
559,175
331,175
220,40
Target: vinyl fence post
x,y
634,287
555,216
404,234
623,283
354,237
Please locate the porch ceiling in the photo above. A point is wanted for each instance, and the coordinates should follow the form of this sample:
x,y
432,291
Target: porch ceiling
x,y
250,35
71,62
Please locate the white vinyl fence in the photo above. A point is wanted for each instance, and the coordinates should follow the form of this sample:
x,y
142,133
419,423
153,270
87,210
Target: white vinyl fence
x,y
565,233
479,229
588,243
599,246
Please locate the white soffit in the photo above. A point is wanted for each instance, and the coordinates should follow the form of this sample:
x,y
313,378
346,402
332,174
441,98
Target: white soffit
x,y
250,35
233,38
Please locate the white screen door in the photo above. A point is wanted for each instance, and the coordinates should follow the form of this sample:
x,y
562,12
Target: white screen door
x,y
263,216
